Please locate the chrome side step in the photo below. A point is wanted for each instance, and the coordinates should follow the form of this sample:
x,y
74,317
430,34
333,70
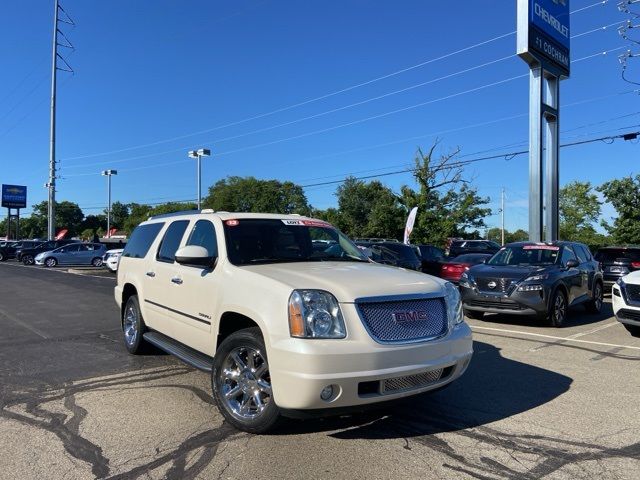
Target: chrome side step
x,y
186,354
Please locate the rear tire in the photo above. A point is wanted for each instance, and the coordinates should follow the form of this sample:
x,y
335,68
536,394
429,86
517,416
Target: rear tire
x,y
474,314
557,309
595,305
28,260
241,382
2,257
133,326
634,330
96,262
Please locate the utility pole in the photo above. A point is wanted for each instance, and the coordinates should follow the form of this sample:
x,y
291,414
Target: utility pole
x,y
51,184
502,211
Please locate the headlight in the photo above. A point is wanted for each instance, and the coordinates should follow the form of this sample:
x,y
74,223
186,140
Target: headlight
x,y
315,314
530,288
454,304
537,278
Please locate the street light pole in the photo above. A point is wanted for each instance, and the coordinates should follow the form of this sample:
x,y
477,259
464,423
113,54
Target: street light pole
x,y
198,154
109,174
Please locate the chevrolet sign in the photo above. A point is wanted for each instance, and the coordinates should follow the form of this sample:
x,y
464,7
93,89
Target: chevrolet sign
x,y
14,196
544,33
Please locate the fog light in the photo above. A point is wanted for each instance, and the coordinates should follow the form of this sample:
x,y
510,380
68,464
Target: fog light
x,y
327,392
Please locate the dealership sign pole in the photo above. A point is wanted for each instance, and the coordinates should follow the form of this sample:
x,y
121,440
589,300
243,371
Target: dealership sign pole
x,y
544,43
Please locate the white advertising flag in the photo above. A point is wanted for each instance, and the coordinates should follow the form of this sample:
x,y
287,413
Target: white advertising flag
x,y
410,221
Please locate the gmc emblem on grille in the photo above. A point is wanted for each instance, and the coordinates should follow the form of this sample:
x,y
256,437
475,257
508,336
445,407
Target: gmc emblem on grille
x,y
409,316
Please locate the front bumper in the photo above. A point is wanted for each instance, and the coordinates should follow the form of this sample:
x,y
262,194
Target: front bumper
x,y
624,311
363,372
514,303
39,261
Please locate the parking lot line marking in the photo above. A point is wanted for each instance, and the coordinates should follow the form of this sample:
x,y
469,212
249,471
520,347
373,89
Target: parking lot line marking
x,y
576,335
23,324
553,337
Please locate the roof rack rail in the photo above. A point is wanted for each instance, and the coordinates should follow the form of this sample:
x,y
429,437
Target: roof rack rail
x,y
174,214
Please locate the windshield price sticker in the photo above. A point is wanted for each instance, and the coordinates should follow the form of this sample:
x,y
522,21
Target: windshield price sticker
x,y
307,223
541,247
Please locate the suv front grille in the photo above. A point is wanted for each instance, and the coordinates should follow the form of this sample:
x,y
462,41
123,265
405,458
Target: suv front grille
x,y
404,321
502,285
633,292
411,381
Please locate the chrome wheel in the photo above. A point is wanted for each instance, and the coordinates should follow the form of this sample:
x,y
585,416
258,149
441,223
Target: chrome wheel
x,y
245,383
27,260
96,262
130,325
51,262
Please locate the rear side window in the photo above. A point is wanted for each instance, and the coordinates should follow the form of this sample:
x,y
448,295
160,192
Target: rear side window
x,y
612,254
171,241
582,253
141,240
204,235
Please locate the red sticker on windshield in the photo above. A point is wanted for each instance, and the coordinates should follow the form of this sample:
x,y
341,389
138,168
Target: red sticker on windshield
x,y
232,223
541,247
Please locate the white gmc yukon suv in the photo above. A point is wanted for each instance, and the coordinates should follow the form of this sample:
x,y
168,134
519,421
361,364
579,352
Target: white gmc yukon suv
x,y
286,314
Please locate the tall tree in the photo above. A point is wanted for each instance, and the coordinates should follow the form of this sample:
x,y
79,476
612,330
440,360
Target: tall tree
x,y
68,216
447,205
624,195
369,210
249,194
119,214
579,209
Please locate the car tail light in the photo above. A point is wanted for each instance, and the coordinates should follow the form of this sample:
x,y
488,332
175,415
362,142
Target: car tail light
x,y
635,264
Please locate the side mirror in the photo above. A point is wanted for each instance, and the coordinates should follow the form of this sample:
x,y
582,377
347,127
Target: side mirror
x,y
195,256
572,264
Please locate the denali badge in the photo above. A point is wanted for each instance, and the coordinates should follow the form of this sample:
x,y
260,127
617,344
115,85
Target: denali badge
x,y
409,316
492,284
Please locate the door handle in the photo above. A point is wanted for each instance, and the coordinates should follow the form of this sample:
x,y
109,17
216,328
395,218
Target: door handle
x,y
151,274
176,280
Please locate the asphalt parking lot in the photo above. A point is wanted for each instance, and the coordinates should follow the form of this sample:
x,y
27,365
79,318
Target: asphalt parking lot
x,y
536,402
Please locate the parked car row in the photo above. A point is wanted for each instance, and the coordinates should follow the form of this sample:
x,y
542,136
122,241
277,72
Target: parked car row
x,y
53,252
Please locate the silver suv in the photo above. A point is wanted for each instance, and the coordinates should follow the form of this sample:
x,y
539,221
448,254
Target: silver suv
x,y
286,314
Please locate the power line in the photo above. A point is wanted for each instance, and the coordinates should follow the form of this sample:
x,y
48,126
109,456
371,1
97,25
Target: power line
x,y
331,94
462,163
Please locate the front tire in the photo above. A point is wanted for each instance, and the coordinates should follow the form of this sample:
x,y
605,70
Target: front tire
x,y
241,382
133,326
557,309
634,330
28,260
51,262
595,305
96,262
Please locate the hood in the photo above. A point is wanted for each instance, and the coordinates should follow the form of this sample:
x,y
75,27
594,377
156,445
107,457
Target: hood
x,y
348,281
632,278
512,272
44,253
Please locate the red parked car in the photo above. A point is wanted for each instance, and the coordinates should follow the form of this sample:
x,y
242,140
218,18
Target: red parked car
x,y
453,268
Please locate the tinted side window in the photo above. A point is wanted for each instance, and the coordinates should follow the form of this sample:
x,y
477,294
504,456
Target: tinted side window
x,y
567,254
141,240
204,235
171,241
580,252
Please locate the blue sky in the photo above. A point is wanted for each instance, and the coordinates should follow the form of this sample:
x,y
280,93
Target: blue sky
x,y
150,72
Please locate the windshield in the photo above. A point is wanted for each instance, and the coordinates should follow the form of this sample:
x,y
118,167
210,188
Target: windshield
x,y
526,255
253,241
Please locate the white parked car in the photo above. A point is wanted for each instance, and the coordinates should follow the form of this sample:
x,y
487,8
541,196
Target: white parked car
x,y
625,297
282,321
111,259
